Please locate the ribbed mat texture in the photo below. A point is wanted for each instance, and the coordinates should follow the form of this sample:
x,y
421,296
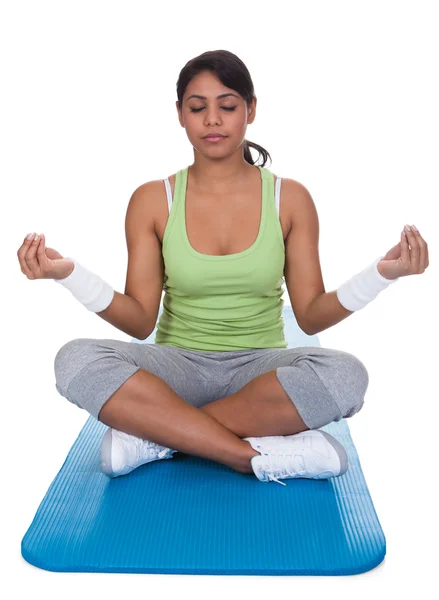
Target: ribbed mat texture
x,y
190,515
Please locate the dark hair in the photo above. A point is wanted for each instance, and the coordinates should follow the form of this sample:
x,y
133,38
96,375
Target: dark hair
x,y
233,74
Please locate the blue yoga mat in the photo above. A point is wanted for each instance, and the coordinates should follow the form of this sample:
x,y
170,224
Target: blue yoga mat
x,y
194,516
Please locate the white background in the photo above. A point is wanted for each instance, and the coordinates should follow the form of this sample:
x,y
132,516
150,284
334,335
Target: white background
x,y
347,105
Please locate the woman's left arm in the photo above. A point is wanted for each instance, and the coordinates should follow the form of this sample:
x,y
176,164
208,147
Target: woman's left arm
x,y
408,257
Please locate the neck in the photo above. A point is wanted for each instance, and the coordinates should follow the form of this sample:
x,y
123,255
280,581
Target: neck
x,y
220,178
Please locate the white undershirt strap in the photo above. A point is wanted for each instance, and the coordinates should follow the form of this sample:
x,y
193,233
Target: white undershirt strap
x,y
276,194
168,194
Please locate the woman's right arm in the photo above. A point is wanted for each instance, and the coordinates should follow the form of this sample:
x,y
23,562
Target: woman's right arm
x,y
124,312
134,312
127,314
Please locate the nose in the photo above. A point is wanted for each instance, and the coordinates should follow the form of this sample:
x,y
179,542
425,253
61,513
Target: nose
x,y
212,117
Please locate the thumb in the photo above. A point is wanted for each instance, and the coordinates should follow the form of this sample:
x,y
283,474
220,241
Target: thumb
x,y
393,253
44,253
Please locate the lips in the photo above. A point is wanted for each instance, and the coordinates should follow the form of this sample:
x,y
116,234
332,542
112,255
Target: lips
x,y
213,135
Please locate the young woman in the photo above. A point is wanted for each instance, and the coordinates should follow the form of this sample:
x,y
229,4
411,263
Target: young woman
x,y
219,237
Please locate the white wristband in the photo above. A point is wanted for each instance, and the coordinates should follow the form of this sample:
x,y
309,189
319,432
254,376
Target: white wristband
x,y
364,287
92,291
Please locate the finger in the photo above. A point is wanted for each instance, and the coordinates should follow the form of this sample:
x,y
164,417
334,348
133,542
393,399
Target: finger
x,y
30,257
423,251
405,255
41,255
40,249
21,258
414,251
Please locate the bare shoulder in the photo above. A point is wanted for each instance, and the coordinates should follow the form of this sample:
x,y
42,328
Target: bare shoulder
x,y
293,188
154,190
297,199
147,200
148,192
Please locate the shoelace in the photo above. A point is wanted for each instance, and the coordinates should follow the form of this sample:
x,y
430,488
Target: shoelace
x,y
150,448
276,458
144,446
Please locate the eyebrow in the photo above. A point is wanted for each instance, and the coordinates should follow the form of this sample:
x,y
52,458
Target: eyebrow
x,y
218,97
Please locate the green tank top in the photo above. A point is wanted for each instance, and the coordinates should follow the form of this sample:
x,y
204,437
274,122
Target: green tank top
x,y
222,303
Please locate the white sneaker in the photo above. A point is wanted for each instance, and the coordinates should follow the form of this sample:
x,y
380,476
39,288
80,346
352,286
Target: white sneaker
x,y
312,454
121,452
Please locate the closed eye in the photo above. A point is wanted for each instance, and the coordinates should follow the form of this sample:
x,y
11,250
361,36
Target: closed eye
x,y
223,107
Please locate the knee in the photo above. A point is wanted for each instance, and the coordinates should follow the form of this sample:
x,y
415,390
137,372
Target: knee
x,y
354,385
69,361
361,374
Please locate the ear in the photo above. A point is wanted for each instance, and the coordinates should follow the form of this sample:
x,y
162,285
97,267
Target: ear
x,y
180,118
252,111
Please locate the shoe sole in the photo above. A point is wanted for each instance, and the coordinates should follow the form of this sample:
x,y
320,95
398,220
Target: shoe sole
x,y
341,451
106,446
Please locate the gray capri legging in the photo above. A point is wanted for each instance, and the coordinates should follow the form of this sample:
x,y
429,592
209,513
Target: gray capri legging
x,y
324,384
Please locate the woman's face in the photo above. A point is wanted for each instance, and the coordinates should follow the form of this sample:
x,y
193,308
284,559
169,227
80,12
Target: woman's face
x,y
228,115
